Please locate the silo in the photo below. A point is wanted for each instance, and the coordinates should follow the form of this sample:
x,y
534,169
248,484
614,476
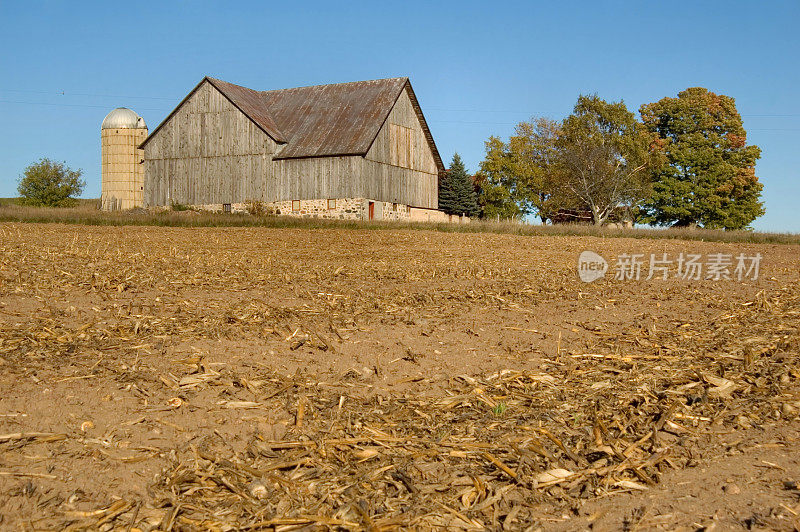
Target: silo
x,y
122,175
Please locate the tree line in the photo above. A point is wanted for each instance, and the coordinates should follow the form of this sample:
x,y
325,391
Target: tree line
x,y
684,161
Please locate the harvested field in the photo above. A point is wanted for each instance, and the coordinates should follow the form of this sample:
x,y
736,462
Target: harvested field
x,y
312,379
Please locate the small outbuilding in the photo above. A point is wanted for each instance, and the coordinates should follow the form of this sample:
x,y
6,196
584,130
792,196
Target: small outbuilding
x,y
359,150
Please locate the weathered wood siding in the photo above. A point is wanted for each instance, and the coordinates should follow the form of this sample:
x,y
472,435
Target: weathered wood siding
x,y
395,173
208,152
317,178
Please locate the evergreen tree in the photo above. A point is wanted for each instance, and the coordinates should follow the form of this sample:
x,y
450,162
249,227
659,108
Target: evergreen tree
x,y
448,194
457,191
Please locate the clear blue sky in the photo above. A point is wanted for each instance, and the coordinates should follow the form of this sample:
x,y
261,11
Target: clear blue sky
x,y
477,67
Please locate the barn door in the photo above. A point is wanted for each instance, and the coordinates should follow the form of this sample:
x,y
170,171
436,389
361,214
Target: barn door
x,y
371,210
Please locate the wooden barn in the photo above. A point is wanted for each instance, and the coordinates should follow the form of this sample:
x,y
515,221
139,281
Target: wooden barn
x,y
351,150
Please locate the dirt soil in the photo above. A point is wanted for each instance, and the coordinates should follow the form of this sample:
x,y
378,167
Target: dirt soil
x,y
291,379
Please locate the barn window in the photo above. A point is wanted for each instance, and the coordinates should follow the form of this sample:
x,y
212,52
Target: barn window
x,y
400,145
295,205
226,208
394,206
331,204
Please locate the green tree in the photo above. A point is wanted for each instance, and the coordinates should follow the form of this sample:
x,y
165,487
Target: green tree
x,y
50,184
494,199
522,169
708,177
605,159
498,191
457,191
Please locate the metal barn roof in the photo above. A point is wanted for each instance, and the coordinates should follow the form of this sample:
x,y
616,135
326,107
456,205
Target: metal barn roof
x,y
251,103
321,120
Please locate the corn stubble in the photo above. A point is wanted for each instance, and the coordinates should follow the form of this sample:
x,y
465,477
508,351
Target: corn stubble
x,y
480,450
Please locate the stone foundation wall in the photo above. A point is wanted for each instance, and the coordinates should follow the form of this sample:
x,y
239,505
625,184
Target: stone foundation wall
x,y
236,208
393,211
336,209
341,209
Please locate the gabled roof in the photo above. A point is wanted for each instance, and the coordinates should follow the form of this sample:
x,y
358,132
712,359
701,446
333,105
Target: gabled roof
x,y
251,104
320,120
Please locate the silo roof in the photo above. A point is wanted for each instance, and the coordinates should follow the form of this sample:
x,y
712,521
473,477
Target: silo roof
x,y
123,118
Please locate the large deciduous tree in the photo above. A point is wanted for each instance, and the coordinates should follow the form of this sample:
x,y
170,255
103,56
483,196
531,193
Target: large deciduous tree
x,y
605,159
708,177
498,186
457,191
519,172
494,199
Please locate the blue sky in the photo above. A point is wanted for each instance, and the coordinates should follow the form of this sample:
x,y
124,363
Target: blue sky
x,y
478,68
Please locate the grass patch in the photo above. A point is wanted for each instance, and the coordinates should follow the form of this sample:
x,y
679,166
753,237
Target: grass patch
x,y
87,213
91,204
500,409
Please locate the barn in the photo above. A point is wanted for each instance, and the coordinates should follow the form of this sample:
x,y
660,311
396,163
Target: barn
x,y
360,150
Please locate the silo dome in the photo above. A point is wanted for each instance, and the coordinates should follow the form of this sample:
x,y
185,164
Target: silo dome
x,y
123,118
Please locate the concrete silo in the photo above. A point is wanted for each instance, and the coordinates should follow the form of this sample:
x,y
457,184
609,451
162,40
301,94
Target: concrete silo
x,y
122,175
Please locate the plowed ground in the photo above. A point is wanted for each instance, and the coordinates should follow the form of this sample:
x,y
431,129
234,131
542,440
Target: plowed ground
x,y
252,378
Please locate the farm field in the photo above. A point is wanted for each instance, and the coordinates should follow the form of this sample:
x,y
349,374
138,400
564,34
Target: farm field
x,y
243,378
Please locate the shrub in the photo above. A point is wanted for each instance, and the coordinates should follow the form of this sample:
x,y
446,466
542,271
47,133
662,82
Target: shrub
x,y
50,184
256,208
259,208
